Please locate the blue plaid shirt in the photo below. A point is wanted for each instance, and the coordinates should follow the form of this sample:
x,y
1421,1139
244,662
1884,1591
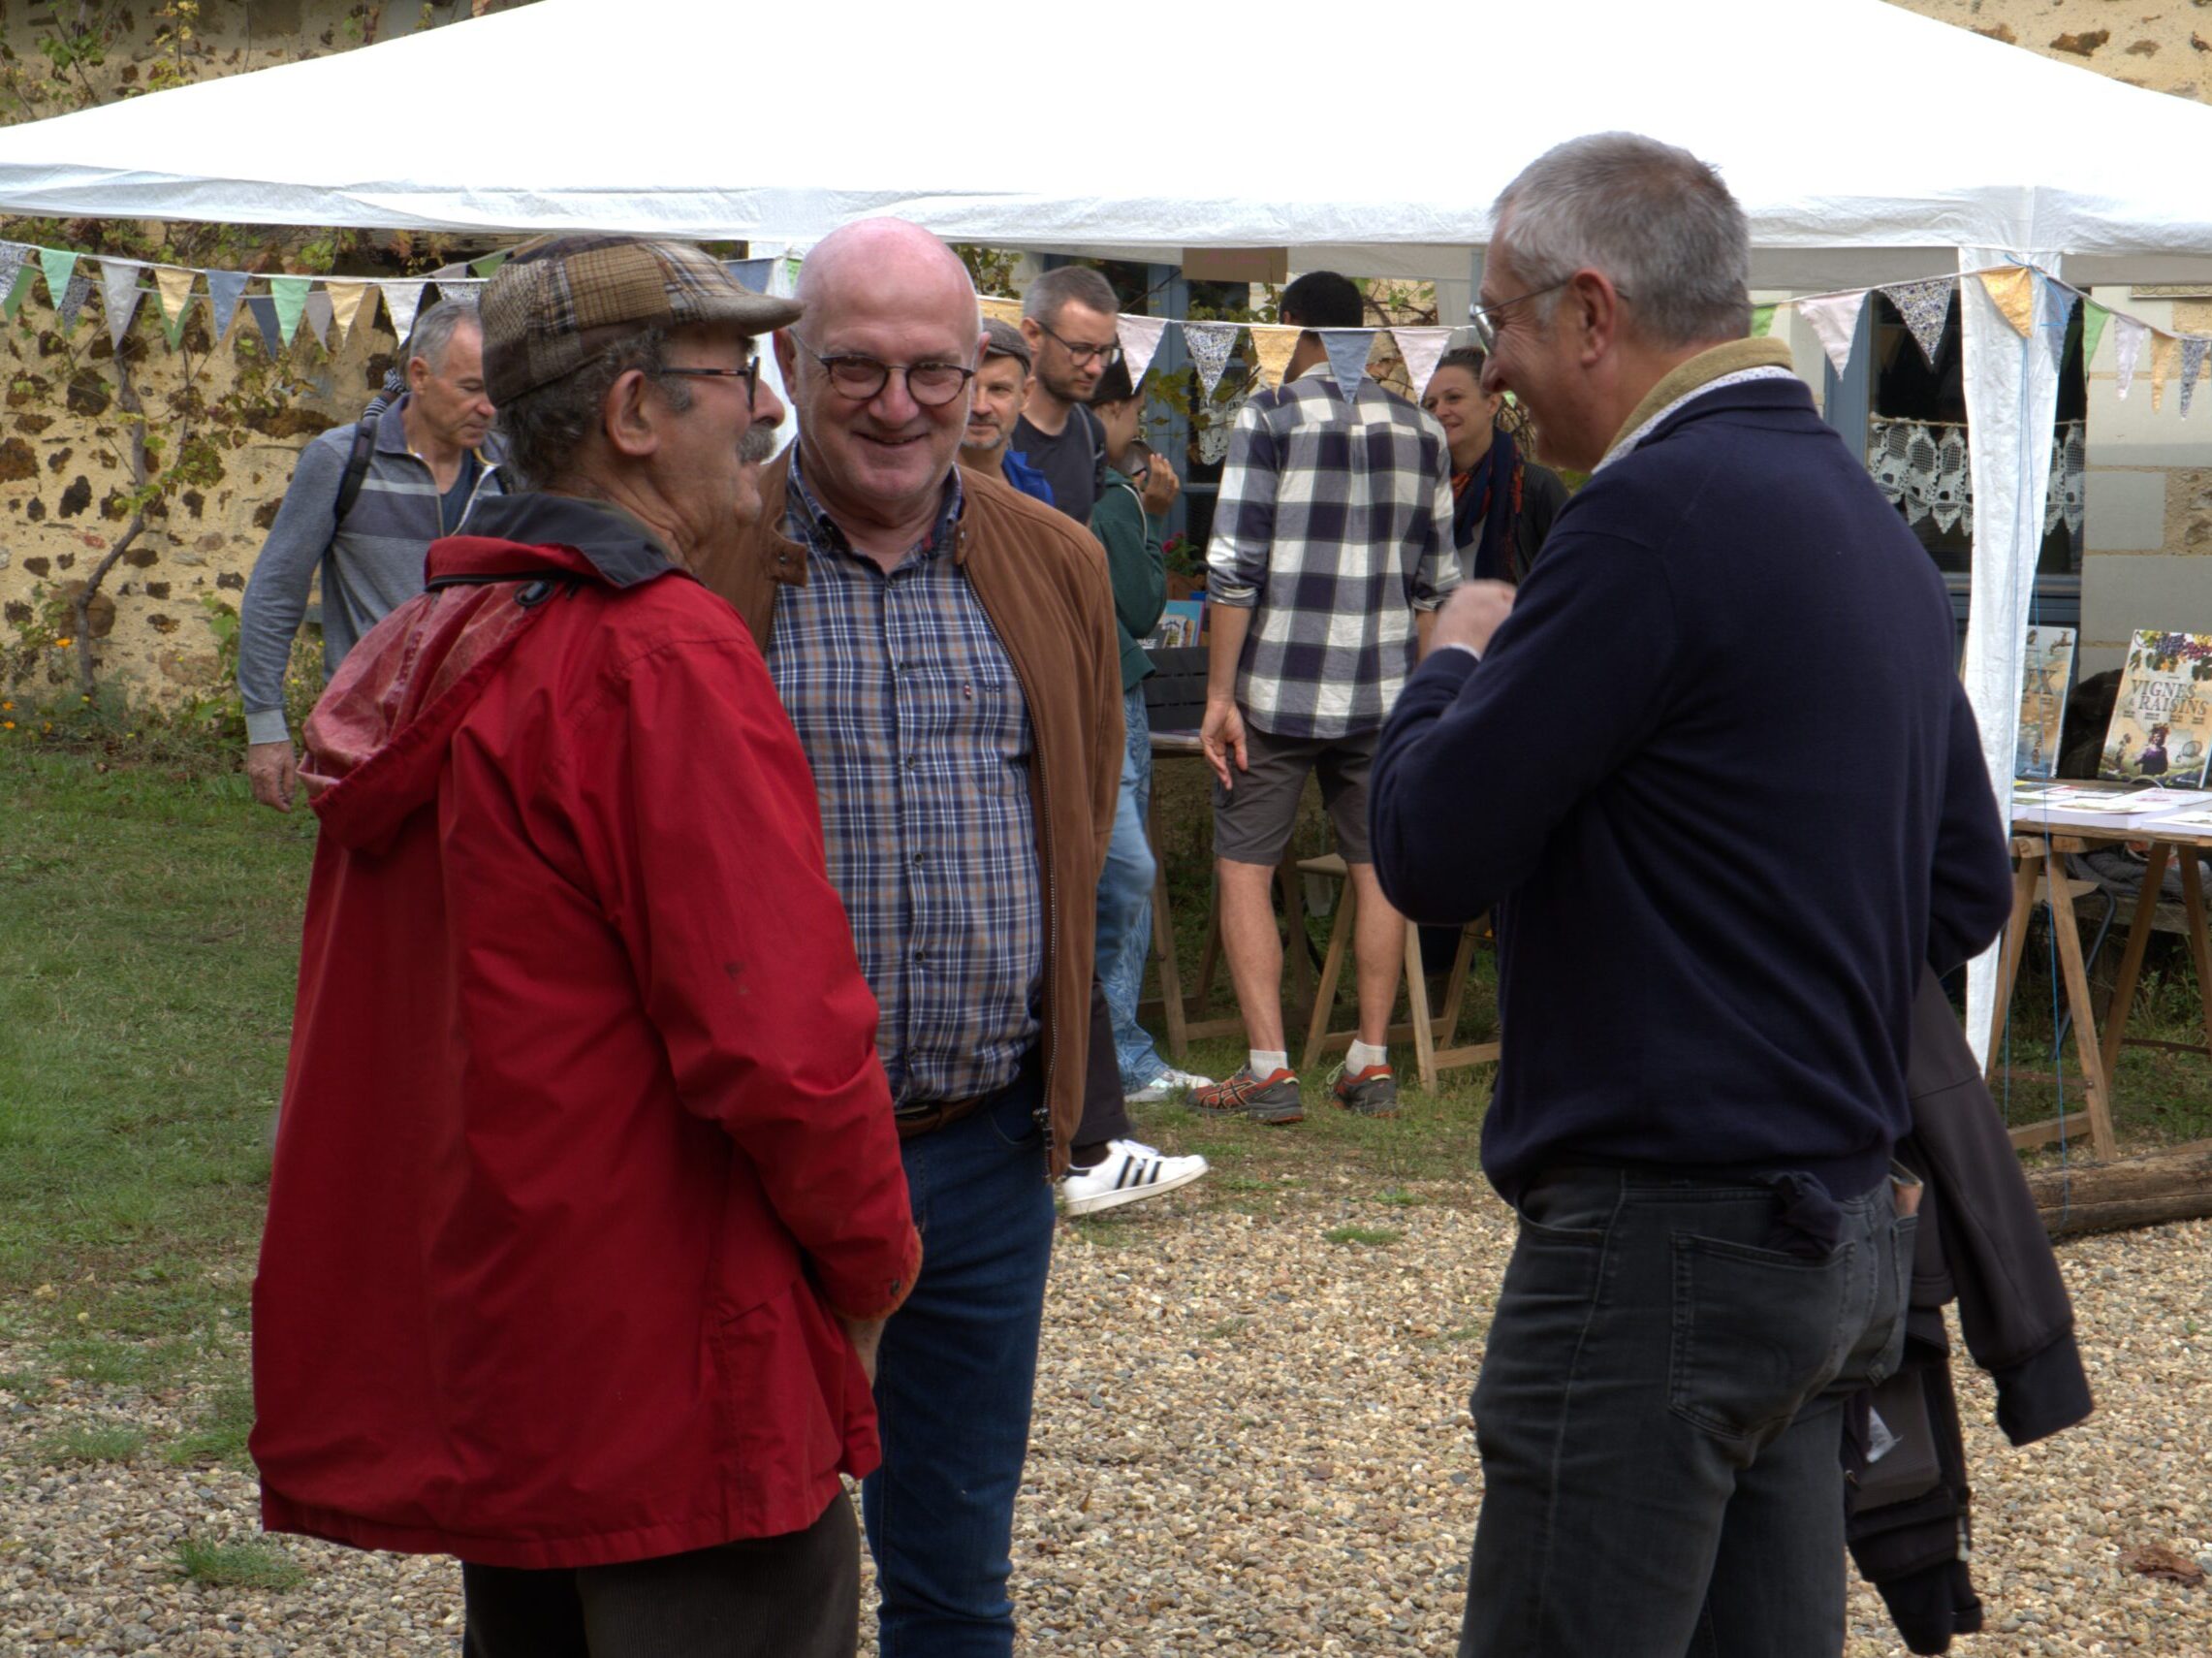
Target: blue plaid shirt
x,y
919,735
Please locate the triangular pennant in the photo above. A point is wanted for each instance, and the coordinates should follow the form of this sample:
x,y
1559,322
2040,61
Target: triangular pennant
x,y
2012,290
1422,349
489,262
1348,349
1210,344
402,299
2094,317
1271,349
11,257
2193,349
223,290
1835,318
345,305
2058,301
263,310
1925,307
118,297
2128,349
58,263
72,299
172,294
1762,321
2164,349
318,316
26,278
462,288
288,296
753,273
997,309
1140,343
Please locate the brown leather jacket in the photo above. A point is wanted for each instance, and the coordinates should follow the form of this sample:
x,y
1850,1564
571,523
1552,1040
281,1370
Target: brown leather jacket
x,y
1042,580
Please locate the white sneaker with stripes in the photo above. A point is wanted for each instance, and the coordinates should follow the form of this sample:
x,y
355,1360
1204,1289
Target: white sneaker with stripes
x,y
1132,1172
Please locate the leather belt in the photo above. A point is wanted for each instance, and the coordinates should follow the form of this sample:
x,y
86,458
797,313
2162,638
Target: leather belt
x,y
928,1119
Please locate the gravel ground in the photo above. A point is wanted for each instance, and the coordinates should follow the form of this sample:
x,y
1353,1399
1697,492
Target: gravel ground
x,y
1248,1439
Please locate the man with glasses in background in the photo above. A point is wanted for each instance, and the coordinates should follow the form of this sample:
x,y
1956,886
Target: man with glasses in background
x,y
945,647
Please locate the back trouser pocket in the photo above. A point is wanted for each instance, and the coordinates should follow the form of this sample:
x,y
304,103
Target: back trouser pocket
x,y
1756,1334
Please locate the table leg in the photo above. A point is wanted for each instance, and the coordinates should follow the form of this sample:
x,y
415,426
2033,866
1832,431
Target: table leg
x,y
2132,958
2032,855
2200,948
2095,1077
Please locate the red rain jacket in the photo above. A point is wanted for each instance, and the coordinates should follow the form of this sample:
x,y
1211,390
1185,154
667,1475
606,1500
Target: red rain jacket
x,y
583,1132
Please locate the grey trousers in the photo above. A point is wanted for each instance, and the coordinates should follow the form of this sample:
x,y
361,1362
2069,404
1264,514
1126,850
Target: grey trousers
x,y
795,1595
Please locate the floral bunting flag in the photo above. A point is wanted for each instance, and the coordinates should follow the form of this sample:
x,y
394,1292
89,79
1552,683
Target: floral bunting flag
x,y
118,297
459,288
2128,346
2094,317
997,309
1925,307
223,290
1274,346
2012,290
402,299
289,296
1210,344
1348,349
2193,349
1835,318
2164,349
318,316
72,299
1140,343
345,304
57,263
1422,349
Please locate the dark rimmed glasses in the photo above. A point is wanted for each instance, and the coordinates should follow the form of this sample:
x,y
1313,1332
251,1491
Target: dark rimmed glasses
x,y
749,374
933,385
1102,355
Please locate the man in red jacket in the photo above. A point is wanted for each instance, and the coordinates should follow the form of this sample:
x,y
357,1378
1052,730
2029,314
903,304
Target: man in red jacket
x,y
587,1203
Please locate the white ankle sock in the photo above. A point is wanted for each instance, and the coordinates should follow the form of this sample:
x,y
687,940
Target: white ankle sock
x,y
1265,1063
1360,1055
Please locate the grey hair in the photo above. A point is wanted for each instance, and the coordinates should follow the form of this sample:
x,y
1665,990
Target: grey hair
x,y
1652,218
1067,284
434,332
548,424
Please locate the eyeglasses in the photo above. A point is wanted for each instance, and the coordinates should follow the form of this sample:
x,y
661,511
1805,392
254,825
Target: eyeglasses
x,y
1478,316
1102,354
933,385
749,374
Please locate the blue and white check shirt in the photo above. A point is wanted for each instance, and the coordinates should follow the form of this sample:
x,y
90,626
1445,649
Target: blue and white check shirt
x,y
1335,525
919,737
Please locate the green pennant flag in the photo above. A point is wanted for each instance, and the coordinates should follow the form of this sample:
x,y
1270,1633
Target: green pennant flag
x,y
290,296
489,262
2094,317
173,327
58,263
1762,321
26,279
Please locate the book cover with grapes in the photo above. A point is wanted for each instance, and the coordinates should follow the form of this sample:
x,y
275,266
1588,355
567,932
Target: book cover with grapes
x,y
2162,722
2046,669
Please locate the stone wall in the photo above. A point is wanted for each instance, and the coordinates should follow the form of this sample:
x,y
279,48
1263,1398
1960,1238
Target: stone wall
x,y
2163,45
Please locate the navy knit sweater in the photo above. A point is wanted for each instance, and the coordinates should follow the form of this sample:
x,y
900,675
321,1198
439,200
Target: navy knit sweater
x,y
1718,773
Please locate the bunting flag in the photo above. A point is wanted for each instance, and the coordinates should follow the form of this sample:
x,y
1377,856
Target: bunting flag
x,y
462,288
753,273
2164,349
58,263
1210,344
401,301
1835,318
1422,348
1272,347
72,299
26,278
263,310
2058,302
11,257
1348,349
118,297
997,309
287,298
318,315
1140,343
2012,290
489,262
1925,306
223,290
345,305
2193,349
2128,346
2094,317
1762,321
172,297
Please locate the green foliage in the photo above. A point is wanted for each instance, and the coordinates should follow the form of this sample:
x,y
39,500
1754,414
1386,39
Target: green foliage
x,y
114,1443
1372,1237
220,1435
239,1565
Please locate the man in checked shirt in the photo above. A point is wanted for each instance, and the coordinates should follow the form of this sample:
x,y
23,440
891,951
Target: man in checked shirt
x,y
1331,549
946,648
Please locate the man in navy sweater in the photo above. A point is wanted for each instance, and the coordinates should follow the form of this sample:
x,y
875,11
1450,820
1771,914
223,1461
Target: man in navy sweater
x,y
1712,765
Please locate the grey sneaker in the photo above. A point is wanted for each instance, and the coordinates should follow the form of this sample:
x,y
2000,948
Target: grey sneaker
x,y
1372,1093
1272,1100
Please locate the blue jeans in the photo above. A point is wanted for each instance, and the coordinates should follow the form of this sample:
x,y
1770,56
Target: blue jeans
x,y
1660,1415
1126,903
954,1378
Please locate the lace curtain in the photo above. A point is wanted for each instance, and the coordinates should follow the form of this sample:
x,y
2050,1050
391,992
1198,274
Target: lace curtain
x,y
1923,467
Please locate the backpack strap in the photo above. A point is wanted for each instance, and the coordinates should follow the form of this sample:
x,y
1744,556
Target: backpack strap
x,y
1096,428
356,467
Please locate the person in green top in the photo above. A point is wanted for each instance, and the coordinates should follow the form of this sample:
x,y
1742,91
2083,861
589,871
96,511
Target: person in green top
x,y
1139,570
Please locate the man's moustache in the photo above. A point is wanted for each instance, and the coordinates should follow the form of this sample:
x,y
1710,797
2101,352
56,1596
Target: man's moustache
x,y
758,443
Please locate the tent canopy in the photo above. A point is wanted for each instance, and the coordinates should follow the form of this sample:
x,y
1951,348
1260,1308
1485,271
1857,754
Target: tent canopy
x,y
710,119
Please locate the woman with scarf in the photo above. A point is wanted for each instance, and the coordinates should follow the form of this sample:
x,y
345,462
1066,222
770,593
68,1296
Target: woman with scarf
x,y
1503,503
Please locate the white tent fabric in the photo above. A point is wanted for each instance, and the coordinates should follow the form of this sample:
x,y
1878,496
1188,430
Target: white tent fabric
x,y
711,119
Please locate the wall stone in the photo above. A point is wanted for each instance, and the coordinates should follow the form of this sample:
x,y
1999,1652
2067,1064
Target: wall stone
x,y
2164,46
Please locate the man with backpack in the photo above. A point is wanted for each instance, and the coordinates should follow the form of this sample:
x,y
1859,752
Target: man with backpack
x,y
364,502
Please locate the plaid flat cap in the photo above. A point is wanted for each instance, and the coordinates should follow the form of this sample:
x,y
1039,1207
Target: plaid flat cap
x,y
561,300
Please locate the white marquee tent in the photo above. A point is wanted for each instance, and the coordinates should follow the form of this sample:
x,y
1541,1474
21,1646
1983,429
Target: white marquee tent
x,y
714,119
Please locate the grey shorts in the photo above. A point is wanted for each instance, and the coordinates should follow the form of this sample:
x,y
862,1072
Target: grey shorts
x,y
1252,822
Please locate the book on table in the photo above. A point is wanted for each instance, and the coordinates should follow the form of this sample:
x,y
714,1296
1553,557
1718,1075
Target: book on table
x,y
2046,670
2162,720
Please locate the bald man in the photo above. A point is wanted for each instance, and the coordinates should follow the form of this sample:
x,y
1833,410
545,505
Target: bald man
x,y
946,648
